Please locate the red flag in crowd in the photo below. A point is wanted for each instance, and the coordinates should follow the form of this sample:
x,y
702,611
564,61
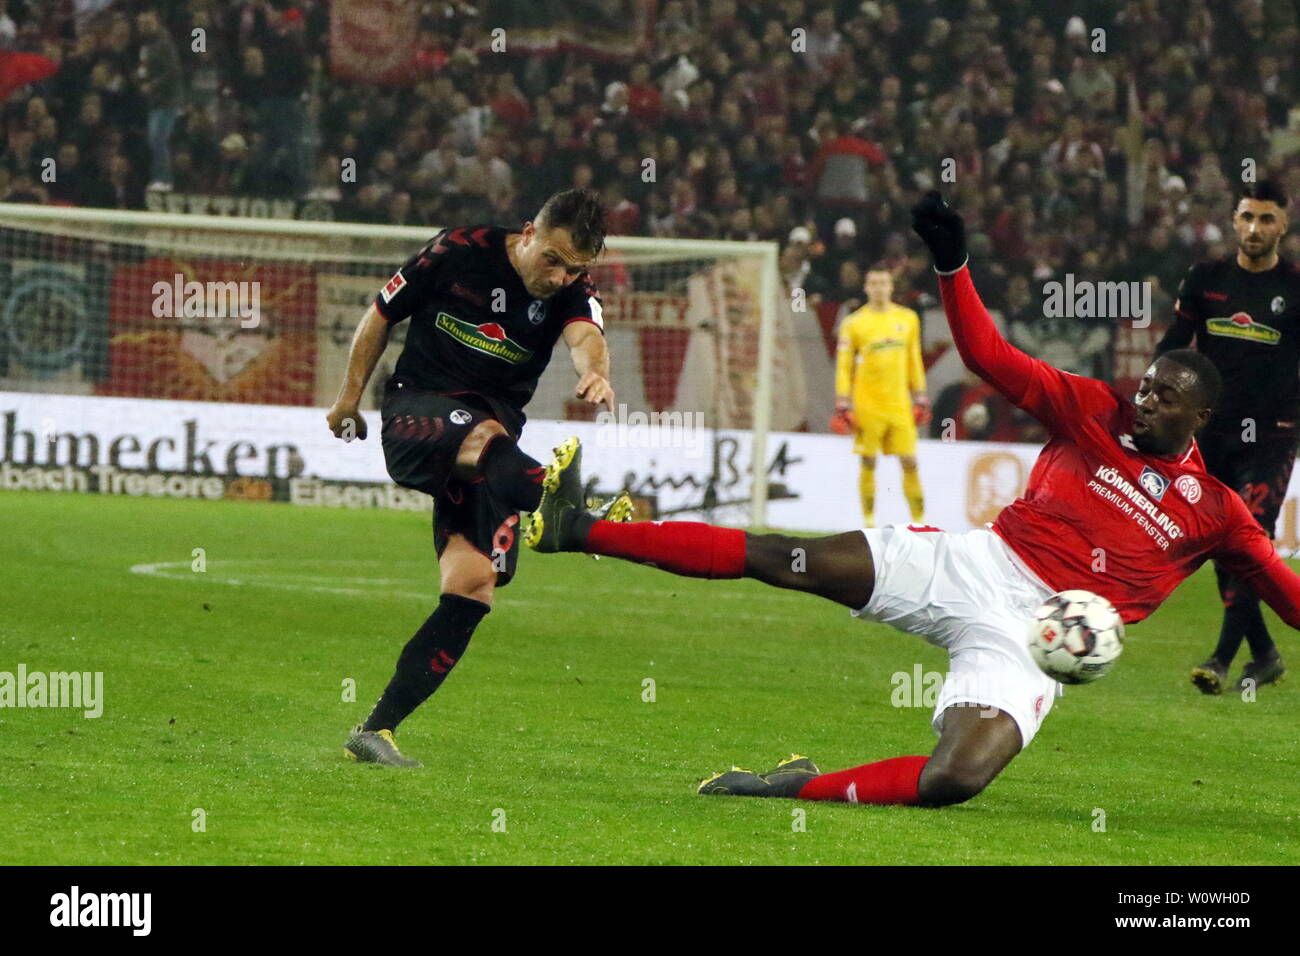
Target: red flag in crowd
x,y
19,69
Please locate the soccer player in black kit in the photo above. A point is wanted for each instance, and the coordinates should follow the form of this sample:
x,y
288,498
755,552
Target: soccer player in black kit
x,y
1244,312
487,306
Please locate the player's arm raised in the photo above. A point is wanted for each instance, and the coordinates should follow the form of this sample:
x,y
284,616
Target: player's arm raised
x,y
368,343
1248,553
1179,335
1055,398
590,357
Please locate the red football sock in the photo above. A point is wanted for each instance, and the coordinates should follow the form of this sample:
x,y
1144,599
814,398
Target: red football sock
x,y
689,548
884,782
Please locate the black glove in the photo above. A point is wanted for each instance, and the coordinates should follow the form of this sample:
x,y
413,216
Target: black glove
x,y
942,230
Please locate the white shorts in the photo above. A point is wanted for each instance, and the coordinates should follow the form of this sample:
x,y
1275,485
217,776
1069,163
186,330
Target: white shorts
x,y
971,594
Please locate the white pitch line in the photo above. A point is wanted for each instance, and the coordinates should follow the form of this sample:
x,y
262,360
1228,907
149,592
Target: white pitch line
x,y
182,571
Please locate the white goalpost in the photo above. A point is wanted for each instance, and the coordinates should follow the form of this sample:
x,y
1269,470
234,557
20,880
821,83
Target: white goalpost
x,y
261,312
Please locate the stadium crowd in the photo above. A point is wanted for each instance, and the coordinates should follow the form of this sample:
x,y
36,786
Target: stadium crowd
x,y
1101,139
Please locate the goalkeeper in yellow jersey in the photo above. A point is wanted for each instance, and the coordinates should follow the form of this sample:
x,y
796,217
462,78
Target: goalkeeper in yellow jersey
x,y
880,389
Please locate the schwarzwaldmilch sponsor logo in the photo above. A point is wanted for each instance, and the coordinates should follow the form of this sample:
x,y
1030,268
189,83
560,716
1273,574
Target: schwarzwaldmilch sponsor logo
x,y
489,338
1240,325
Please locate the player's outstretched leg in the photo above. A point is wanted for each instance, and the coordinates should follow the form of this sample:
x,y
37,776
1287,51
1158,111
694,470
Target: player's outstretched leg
x,y
550,527
786,779
838,567
976,745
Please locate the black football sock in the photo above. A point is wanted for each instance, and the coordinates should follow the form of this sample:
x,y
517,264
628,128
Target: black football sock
x,y
426,659
511,475
1261,643
1231,634
1235,620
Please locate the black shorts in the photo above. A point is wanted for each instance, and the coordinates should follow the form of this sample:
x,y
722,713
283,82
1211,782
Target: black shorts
x,y
1259,471
422,433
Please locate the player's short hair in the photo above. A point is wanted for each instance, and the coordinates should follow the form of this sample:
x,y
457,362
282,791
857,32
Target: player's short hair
x,y
1209,383
581,212
1266,190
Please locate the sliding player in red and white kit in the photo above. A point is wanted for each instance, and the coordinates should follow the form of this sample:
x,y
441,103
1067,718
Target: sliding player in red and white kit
x,y
1118,503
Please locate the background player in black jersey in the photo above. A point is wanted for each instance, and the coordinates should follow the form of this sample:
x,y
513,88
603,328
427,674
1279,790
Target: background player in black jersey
x,y
487,305
1244,312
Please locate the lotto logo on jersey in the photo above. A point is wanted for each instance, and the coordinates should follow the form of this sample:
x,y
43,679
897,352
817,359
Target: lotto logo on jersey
x,y
395,285
1153,483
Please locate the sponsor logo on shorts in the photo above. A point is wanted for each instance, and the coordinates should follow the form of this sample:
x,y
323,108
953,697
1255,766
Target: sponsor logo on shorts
x,y
1189,488
1153,483
489,338
460,417
1038,707
394,285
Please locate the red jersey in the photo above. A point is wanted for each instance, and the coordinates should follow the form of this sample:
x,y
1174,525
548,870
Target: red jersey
x,y
1098,514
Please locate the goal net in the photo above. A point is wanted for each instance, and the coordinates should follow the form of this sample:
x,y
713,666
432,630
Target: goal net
x,y
219,309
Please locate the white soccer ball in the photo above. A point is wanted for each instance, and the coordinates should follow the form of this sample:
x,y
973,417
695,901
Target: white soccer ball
x,y
1076,636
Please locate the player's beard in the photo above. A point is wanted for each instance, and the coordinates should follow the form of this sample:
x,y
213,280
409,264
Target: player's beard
x,y
1259,252
1146,442
1142,442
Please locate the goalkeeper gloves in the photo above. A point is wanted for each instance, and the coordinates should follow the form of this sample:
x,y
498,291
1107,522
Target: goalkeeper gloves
x,y
921,411
942,230
842,421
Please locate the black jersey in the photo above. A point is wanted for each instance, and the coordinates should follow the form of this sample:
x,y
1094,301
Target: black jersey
x,y
1248,324
474,326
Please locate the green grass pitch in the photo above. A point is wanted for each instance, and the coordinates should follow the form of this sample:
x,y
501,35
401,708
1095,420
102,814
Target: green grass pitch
x,y
224,692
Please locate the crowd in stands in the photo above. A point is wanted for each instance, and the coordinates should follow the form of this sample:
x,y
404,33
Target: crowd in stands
x,y
1105,139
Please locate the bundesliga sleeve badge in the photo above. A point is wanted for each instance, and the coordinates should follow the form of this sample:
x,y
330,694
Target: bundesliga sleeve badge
x,y
394,285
